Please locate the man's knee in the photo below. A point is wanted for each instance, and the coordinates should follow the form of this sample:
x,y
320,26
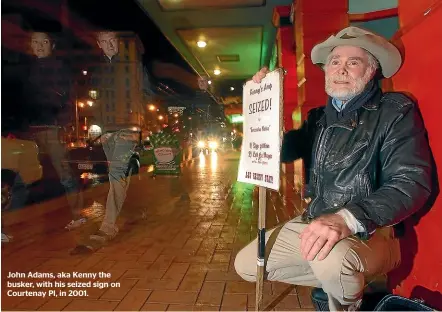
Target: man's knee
x,y
245,263
340,273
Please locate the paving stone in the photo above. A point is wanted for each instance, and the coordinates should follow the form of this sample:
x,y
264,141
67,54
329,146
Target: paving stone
x,y
211,293
118,293
91,305
134,300
234,302
158,284
172,297
57,304
154,307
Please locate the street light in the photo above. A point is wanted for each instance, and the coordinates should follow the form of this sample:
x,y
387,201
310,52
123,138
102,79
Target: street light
x,y
80,104
90,103
160,117
93,94
201,44
152,107
84,72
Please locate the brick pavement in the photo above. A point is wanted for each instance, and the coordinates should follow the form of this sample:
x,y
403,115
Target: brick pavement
x,y
172,254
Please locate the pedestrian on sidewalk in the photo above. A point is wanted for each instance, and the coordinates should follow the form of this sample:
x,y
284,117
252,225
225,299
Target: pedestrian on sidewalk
x,y
48,110
119,139
368,167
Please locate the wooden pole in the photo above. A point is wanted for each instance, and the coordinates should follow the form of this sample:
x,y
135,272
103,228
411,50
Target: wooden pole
x,y
260,268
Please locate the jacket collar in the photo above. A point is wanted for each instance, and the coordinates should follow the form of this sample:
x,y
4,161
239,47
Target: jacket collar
x,y
112,60
351,121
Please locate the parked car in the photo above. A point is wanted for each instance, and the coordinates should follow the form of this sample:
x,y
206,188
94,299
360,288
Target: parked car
x,y
21,169
91,159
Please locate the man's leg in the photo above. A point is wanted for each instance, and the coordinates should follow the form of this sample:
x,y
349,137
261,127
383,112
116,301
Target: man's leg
x,y
342,274
351,263
49,143
57,155
284,261
118,151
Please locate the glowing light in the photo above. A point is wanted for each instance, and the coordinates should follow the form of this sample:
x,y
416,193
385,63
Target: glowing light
x,y
95,128
232,88
152,107
160,117
90,103
84,72
213,145
80,104
209,82
93,94
201,144
202,160
214,161
175,115
217,72
201,44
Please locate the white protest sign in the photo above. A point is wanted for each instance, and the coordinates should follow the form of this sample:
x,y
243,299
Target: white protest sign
x,y
260,153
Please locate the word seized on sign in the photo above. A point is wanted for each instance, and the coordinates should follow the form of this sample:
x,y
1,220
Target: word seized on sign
x,y
260,152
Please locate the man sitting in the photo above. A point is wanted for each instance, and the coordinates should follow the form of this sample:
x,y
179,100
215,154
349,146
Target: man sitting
x,y
368,167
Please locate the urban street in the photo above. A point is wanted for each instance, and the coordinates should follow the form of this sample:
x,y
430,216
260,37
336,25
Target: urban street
x,y
175,250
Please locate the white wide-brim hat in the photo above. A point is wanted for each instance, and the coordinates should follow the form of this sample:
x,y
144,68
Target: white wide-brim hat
x,y
385,52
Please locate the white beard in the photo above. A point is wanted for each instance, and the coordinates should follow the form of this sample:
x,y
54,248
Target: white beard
x,y
355,87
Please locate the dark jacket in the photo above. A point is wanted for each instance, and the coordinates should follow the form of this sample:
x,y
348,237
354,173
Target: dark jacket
x,y
114,79
376,162
47,92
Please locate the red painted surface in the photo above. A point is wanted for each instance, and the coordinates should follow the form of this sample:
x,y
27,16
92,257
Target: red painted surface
x,y
315,21
288,61
371,16
411,10
420,274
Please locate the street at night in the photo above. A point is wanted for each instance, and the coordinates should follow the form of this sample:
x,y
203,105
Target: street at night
x,y
178,240
209,155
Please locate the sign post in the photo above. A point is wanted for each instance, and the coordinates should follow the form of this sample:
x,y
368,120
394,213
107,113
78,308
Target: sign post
x,y
260,153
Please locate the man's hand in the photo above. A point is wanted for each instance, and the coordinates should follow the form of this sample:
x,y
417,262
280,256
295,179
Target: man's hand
x,y
320,236
260,75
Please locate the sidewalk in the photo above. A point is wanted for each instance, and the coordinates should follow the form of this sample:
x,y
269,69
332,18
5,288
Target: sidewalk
x,y
172,254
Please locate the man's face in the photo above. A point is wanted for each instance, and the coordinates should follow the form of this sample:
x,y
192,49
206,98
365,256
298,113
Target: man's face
x,y
108,42
347,72
41,44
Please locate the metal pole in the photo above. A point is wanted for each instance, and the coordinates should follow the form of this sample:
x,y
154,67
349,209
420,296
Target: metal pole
x,y
260,268
76,116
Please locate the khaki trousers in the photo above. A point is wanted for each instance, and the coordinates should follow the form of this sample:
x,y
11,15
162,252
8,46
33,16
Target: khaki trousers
x,y
119,148
342,275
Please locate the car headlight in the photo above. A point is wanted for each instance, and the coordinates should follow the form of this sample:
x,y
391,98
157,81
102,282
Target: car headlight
x,y
213,144
201,144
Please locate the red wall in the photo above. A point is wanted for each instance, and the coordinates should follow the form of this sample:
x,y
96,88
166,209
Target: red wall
x,y
315,20
420,275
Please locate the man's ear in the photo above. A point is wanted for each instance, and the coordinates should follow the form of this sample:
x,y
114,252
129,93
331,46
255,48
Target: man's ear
x,y
53,46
